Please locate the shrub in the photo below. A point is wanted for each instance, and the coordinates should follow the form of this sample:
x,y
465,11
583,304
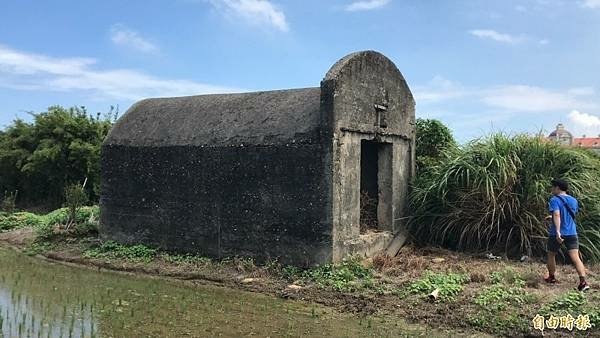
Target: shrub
x,y
8,204
75,198
492,195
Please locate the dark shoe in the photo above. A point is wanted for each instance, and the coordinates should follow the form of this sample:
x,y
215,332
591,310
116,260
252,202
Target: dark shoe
x,y
550,280
583,287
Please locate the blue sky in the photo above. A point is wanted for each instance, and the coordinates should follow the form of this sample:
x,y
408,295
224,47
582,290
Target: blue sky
x,y
479,66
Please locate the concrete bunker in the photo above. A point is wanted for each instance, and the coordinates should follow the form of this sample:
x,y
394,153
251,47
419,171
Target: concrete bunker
x,y
288,175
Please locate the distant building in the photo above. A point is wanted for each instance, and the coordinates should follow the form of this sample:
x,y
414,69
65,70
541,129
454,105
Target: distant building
x,y
561,135
564,137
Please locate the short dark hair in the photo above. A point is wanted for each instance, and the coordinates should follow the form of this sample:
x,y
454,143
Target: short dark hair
x,y
560,184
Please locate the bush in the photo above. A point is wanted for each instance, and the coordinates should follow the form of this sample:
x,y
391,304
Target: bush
x,y
492,195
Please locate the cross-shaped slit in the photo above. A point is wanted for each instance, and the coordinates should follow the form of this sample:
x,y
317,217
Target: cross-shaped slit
x,y
381,113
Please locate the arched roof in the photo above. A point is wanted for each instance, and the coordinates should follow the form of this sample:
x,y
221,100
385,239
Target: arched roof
x,y
270,117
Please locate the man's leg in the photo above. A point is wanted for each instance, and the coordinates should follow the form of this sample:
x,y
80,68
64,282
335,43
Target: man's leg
x,y
551,264
574,255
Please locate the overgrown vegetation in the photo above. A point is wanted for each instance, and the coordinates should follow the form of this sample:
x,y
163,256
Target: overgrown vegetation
x,y
448,284
492,195
61,146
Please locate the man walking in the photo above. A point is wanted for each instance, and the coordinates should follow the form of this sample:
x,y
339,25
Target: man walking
x,y
563,230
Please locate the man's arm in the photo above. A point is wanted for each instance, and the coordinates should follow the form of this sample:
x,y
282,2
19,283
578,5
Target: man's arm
x,y
556,221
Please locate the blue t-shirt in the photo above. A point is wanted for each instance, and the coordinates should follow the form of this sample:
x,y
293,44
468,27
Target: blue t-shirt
x,y
567,223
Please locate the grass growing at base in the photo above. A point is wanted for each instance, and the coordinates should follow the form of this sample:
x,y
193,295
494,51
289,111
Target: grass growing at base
x,y
111,249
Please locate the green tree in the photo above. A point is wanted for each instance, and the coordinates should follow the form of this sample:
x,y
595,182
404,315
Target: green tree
x,y
434,140
61,146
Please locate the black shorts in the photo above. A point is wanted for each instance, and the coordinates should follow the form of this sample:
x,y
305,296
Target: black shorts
x,y
571,242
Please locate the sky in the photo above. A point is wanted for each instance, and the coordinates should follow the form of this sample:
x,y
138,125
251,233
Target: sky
x,y
479,66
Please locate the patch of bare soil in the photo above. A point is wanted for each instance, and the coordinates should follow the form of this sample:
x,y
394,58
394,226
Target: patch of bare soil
x,y
18,238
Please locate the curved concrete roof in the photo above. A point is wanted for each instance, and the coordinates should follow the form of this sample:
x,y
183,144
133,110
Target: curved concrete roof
x,y
271,117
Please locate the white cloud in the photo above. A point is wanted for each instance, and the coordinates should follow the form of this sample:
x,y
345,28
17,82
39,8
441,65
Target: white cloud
x,y
544,42
524,98
496,36
513,97
590,4
257,12
26,71
440,89
583,124
584,120
520,8
123,36
366,5
582,91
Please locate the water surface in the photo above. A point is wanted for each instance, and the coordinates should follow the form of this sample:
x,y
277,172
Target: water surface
x,y
42,299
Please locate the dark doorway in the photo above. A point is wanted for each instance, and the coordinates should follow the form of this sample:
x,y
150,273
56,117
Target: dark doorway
x,y
369,185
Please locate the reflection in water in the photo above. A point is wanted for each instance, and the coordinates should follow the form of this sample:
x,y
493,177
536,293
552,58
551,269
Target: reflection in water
x,y
40,299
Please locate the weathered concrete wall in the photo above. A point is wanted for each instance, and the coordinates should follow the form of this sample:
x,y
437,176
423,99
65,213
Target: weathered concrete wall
x,y
358,85
262,202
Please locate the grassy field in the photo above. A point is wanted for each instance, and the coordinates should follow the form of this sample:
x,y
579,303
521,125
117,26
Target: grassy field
x,y
475,294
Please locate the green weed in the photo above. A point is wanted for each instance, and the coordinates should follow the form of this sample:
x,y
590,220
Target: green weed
x,y
450,285
186,259
349,275
111,249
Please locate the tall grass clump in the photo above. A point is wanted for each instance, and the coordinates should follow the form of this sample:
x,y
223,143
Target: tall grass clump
x,y
492,194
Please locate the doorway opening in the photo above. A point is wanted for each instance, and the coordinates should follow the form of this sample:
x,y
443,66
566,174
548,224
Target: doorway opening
x,y
369,185
375,186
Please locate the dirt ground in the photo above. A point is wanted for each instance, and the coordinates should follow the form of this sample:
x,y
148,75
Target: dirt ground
x,y
399,271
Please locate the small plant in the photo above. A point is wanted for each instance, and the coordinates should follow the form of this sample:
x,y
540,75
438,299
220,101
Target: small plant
x,y
570,302
498,297
111,249
450,285
9,202
75,197
19,220
508,277
185,259
44,232
287,272
349,275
